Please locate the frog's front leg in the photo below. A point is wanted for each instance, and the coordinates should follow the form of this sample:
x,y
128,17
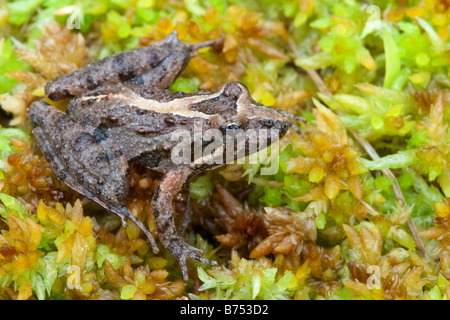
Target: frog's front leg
x,y
85,158
187,212
163,209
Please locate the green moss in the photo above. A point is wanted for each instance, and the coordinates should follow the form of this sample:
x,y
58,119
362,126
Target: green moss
x,y
385,77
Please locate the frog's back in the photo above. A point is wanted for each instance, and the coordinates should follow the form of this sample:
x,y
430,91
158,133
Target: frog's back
x,y
140,120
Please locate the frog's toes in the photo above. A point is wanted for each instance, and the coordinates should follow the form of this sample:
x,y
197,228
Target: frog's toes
x,y
182,251
194,249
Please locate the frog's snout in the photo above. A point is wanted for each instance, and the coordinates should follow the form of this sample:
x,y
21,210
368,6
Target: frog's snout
x,y
283,127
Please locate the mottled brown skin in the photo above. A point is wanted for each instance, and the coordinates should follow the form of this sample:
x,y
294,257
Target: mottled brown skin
x,y
153,66
122,113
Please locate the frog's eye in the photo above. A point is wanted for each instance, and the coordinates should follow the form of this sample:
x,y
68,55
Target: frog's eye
x,y
233,126
226,128
232,90
268,123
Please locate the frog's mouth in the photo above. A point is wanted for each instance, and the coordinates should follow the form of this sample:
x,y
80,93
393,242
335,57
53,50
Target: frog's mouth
x,y
246,106
290,118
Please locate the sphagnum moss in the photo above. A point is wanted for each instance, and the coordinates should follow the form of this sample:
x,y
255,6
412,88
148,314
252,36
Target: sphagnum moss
x,y
326,225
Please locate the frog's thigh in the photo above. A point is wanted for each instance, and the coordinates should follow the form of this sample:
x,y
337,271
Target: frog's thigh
x,y
82,157
85,159
165,73
117,68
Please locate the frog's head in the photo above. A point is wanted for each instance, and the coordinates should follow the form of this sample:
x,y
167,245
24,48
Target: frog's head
x,y
253,126
249,115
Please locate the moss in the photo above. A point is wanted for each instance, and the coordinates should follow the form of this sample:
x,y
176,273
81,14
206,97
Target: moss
x,y
329,224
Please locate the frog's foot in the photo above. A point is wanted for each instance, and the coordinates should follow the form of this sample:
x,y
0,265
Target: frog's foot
x,y
182,251
124,214
209,43
172,38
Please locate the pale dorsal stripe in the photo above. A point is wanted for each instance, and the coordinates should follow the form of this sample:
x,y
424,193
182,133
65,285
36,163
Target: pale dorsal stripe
x,y
176,106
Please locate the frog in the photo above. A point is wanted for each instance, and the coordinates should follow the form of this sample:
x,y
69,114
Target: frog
x,y
121,112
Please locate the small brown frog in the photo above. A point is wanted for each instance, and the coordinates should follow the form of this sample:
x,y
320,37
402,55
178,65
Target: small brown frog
x,y
121,112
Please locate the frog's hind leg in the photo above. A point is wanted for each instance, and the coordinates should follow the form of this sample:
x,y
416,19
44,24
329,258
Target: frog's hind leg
x,y
155,66
85,159
163,209
209,43
164,74
187,212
